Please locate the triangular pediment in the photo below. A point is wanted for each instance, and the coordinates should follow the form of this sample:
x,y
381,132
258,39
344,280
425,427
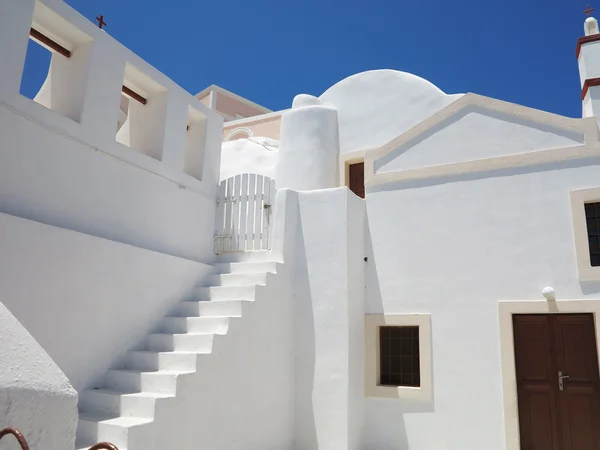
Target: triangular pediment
x,y
476,129
476,132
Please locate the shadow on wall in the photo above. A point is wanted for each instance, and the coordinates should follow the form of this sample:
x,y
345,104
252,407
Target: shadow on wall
x,y
305,352
590,287
385,418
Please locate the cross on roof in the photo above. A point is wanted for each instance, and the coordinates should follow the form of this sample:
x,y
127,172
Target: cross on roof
x,y
102,23
589,11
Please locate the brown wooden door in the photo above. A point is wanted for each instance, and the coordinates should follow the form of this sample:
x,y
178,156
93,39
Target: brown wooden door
x,y
555,416
356,181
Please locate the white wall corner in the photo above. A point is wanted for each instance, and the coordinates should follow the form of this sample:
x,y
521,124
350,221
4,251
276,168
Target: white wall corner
x,y
356,248
103,94
328,311
176,122
284,228
212,151
35,396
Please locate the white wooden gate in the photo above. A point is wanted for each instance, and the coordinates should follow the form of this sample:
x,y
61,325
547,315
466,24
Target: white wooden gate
x,y
244,213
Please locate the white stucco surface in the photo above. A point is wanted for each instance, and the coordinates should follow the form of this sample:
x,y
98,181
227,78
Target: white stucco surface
x,y
86,300
591,26
589,68
35,396
242,394
102,234
328,280
309,148
372,107
63,166
47,177
249,155
454,249
376,106
476,133
589,61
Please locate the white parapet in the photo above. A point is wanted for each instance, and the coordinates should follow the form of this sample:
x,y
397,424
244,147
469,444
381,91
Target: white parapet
x,y
151,184
309,148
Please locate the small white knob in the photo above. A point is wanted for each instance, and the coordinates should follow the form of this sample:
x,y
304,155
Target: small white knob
x,y
549,293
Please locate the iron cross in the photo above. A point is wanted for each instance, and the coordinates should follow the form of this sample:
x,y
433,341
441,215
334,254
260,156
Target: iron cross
x,y
589,11
102,23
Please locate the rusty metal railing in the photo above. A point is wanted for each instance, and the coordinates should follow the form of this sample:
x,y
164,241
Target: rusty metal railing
x,y
24,446
104,446
18,436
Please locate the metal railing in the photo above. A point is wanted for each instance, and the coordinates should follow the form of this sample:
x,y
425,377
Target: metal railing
x,y
24,446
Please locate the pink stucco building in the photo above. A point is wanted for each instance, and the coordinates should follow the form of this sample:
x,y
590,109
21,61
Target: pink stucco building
x,y
243,118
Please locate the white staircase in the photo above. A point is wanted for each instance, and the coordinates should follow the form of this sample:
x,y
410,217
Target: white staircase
x,y
122,411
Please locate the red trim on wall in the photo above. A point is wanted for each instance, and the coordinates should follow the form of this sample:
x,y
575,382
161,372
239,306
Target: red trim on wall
x,y
585,40
590,82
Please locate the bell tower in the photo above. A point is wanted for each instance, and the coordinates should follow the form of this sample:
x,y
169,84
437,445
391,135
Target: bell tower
x,y
588,57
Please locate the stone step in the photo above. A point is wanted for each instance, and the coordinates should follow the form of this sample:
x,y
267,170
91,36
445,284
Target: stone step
x,y
188,342
214,325
217,293
124,380
258,256
236,279
246,267
117,430
225,308
150,361
109,403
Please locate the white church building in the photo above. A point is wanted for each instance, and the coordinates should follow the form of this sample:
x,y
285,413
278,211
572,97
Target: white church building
x,y
383,267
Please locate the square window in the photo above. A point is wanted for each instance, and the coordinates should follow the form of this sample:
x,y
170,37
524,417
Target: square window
x,y
399,356
592,215
585,213
589,210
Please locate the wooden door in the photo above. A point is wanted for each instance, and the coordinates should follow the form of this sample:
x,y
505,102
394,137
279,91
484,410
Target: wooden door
x,y
557,381
356,179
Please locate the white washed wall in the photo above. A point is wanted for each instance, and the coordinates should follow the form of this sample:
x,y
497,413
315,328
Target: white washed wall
x,y
454,248
376,106
71,171
320,235
242,396
35,396
373,107
86,300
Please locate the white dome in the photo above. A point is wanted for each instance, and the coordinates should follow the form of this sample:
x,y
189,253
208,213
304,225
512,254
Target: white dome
x,y
249,155
375,107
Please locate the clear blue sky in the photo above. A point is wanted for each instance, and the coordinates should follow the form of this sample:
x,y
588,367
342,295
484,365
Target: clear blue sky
x,y
521,51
